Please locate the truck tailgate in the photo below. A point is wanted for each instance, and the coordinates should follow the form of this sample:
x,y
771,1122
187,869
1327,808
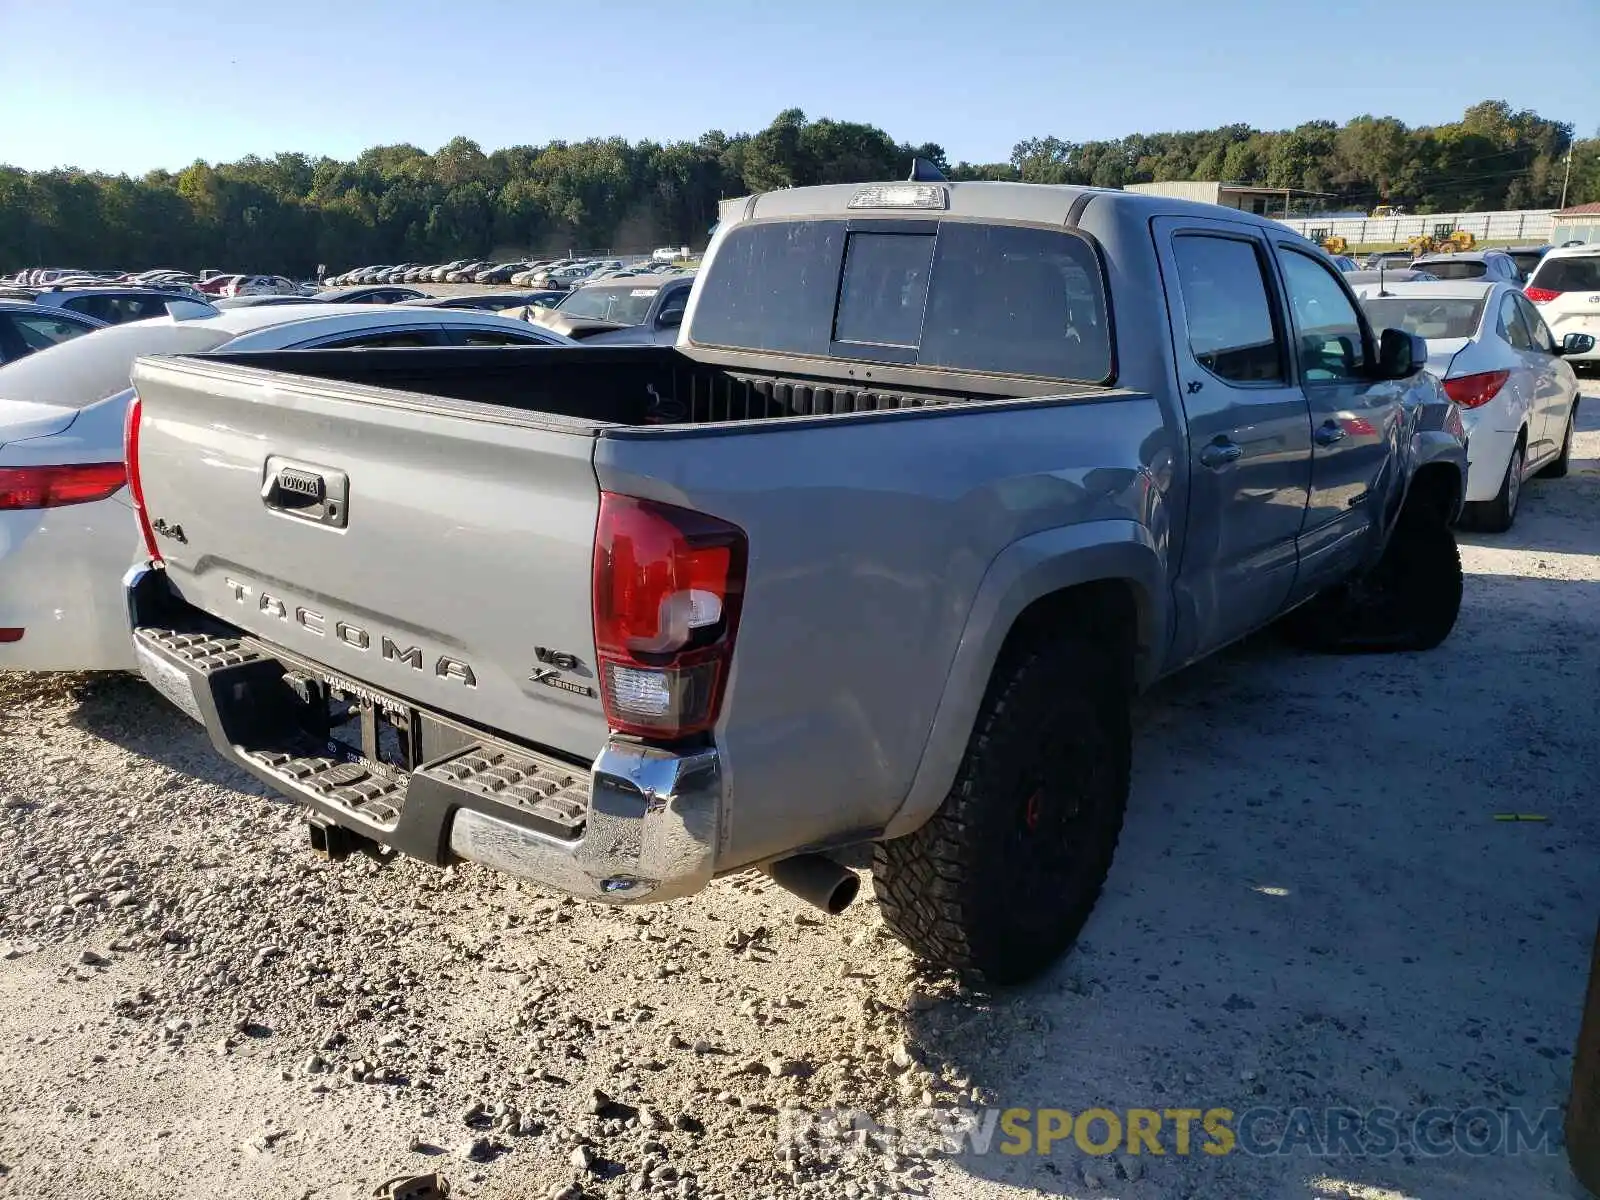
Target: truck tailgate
x,y
430,548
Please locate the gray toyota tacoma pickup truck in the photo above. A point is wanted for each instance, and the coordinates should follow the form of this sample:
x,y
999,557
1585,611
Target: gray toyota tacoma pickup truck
x,y
938,476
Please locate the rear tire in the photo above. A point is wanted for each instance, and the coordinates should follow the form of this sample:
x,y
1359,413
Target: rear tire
x,y
1563,462
1408,602
1498,515
998,882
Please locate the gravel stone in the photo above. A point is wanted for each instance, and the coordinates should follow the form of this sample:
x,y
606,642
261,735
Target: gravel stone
x,y
443,992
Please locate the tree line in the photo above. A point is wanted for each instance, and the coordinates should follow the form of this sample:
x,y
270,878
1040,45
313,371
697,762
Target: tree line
x,y
399,203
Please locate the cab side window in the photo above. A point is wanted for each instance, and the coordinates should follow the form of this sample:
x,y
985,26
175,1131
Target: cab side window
x,y
1328,330
1228,308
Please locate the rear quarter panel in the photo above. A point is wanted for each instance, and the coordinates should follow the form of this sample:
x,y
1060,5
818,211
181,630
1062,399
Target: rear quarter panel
x,y
871,541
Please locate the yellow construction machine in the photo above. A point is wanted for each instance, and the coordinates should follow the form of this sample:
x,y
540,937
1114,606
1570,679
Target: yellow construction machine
x,y
1449,243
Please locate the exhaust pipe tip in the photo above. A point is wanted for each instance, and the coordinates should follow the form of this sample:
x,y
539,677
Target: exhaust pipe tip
x,y
817,880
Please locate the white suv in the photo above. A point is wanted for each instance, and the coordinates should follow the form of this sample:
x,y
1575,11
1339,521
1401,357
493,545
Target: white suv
x,y
1566,287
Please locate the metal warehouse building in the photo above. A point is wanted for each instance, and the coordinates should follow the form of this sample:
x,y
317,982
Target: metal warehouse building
x,y
1260,200
1580,223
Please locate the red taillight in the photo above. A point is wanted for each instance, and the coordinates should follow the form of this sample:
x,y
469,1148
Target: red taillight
x,y
11,634
1540,295
130,451
668,583
1474,391
51,487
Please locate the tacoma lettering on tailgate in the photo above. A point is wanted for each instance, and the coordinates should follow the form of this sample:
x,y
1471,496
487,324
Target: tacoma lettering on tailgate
x,y
353,636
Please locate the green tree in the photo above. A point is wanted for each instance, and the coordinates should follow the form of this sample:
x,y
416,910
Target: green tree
x,y
399,202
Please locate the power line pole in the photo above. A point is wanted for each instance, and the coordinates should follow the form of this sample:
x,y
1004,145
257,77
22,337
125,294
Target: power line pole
x,y
1566,179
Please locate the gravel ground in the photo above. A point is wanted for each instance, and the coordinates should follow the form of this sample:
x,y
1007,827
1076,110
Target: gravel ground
x,y
1312,906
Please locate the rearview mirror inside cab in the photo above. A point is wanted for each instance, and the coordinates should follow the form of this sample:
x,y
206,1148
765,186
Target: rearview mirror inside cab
x,y
1400,354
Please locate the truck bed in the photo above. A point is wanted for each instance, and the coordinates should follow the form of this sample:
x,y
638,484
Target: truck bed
x,y
460,560
628,385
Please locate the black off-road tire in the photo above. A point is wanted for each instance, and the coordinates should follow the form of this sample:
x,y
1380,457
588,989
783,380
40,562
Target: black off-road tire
x,y
997,884
1408,602
1563,462
1499,514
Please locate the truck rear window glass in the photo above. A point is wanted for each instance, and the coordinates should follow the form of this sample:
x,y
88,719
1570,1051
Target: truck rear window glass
x,y
885,288
1019,301
1008,299
772,287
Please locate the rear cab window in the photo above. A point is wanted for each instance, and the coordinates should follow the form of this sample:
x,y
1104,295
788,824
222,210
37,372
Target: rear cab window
x,y
949,294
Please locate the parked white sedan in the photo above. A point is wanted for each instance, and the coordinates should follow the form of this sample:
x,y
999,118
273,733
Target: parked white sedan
x,y
1498,361
67,529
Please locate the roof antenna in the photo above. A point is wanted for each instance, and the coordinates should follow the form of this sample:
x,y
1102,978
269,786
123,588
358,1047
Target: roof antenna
x,y
1381,292
923,171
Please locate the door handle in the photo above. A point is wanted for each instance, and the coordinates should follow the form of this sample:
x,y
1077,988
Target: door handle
x,y
1328,433
1220,453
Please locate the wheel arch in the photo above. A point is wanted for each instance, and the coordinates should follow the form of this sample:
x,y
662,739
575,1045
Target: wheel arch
x,y
1438,476
1115,570
1438,486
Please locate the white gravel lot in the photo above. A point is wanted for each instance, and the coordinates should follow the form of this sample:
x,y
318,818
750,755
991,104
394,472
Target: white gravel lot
x,y
1312,906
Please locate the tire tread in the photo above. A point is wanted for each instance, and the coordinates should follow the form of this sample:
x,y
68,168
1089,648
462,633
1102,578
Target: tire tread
x,y
929,883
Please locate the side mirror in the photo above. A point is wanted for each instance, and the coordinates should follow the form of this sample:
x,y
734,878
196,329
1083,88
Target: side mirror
x,y
1400,354
1577,343
673,318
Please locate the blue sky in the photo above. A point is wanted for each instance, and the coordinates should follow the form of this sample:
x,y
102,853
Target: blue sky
x,y
120,86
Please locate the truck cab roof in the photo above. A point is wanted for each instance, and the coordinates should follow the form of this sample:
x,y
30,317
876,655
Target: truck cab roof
x,y
1050,204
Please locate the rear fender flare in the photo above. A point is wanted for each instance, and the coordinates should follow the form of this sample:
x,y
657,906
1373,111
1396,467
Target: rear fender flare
x,y
1025,571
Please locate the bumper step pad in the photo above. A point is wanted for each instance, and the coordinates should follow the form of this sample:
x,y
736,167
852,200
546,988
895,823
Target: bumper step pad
x,y
373,795
544,794
203,651
554,798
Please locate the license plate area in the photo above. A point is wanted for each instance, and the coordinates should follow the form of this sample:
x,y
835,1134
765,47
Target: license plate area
x,y
355,723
